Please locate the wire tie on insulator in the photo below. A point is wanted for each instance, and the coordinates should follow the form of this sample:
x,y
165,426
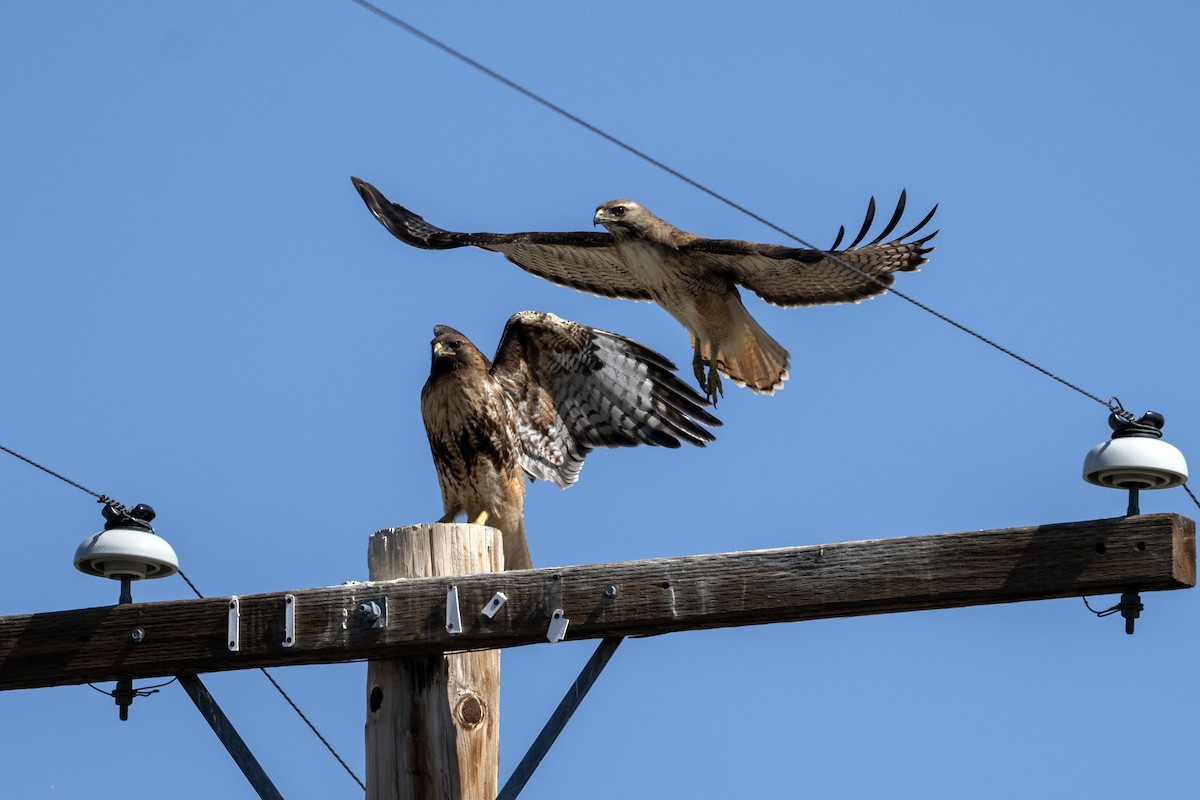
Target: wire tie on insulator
x,y
1118,410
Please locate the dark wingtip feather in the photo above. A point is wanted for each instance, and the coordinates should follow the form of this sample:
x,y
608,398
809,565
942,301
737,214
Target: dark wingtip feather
x,y
920,225
838,240
662,439
683,409
678,406
866,224
410,228
926,239
369,194
899,212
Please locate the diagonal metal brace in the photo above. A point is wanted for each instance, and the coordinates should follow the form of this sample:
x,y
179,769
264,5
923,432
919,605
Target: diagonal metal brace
x,y
229,737
559,719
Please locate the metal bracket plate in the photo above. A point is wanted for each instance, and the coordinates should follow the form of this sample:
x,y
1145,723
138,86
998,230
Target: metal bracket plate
x,y
453,618
234,624
289,620
558,626
494,605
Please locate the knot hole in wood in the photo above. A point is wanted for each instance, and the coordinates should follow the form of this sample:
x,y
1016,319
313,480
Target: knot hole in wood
x,y
470,710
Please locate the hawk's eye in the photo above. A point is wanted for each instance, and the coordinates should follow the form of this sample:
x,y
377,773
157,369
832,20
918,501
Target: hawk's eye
x,y
618,211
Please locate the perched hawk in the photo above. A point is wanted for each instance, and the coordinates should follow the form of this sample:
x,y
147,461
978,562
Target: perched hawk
x,y
693,278
556,390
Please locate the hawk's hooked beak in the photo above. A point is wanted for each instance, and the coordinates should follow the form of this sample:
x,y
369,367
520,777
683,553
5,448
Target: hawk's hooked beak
x,y
599,218
441,350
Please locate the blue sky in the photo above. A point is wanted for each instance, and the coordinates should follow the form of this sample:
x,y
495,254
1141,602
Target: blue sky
x,y
200,314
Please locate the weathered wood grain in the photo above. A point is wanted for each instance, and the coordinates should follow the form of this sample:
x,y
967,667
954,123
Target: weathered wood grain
x,y
878,576
433,721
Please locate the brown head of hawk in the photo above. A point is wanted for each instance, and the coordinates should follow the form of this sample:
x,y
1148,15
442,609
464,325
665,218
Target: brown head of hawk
x,y
696,280
556,390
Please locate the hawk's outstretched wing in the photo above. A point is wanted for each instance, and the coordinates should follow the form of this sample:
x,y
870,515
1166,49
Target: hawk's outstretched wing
x,y
576,388
643,257
584,260
788,276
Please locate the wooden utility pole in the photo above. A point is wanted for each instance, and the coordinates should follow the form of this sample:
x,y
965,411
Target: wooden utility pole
x,y
433,721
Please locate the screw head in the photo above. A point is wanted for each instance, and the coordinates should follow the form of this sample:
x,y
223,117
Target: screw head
x,y
138,634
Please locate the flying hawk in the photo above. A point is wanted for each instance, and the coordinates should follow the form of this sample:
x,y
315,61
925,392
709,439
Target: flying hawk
x,y
556,390
695,279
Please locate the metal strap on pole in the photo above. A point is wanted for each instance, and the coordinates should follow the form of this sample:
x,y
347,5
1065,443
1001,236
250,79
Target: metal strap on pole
x,y
559,719
229,737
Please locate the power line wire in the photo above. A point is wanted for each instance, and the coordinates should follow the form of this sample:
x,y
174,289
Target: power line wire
x,y
316,732
100,498
292,703
537,98
191,585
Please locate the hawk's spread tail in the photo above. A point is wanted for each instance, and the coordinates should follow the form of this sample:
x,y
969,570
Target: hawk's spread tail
x,y
749,356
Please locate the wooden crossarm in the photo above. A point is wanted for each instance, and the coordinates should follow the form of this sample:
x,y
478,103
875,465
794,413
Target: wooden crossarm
x,y
1145,553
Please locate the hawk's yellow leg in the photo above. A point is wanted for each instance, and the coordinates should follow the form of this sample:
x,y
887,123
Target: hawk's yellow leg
x,y
480,520
710,384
